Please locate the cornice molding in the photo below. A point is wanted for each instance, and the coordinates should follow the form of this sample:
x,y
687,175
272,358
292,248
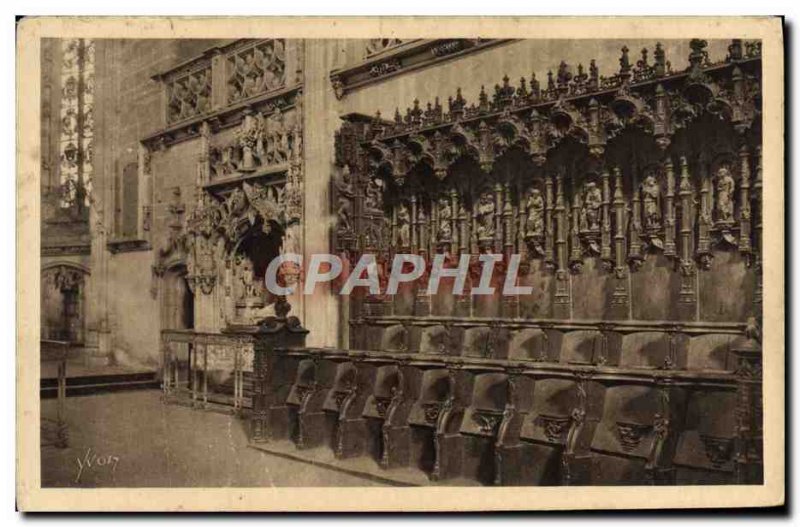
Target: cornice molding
x,y
402,59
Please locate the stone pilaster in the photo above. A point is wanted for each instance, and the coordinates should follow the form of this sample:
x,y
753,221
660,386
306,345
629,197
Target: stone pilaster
x,y
101,212
320,118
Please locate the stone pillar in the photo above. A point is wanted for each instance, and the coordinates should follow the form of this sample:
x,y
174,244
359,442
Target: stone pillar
x,y
320,121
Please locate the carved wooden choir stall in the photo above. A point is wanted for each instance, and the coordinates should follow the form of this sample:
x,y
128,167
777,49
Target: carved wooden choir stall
x,y
635,202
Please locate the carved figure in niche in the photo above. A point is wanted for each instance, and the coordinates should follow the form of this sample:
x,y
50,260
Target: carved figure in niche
x,y
485,216
249,137
445,230
204,255
236,203
244,272
249,283
277,139
403,226
201,264
535,210
344,206
267,202
725,187
651,201
590,212
373,199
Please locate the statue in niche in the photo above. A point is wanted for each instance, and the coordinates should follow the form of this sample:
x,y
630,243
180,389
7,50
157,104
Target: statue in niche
x,y
535,209
373,199
651,201
590,212
403,226
236,203
444,232
201,264
344,208
267,202
485,216
249,136
278,151
725,186
250,287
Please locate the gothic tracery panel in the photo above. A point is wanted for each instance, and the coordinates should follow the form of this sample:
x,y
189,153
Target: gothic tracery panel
x,y
189,94
255,69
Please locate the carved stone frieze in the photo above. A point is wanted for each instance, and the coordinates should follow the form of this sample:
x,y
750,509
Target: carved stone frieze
x,y
261,142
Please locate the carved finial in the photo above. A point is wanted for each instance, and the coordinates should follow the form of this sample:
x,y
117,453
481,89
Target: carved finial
x,y
534,86
398,119
659,68
416,113
642,66
522,91
504,94
735,50
456,106
564,73
698,55
550,84
483,100
594,74
624,61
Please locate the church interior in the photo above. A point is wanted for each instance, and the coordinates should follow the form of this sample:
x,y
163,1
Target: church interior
x,y
625,174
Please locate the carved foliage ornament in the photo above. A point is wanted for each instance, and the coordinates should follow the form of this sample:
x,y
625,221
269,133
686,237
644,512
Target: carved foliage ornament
x,y
538,119
213,225
64,278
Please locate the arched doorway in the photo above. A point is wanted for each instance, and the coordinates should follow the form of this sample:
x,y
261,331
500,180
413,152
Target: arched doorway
x,y
63,289
177,303
177,313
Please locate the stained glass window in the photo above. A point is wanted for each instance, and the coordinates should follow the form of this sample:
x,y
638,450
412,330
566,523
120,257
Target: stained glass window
x,y
77,122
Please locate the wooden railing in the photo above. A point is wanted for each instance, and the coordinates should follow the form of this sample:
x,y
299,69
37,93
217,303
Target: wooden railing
x,y
205,352
59,351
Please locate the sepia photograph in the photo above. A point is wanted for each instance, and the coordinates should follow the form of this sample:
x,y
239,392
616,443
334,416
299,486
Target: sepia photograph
x,y
285,259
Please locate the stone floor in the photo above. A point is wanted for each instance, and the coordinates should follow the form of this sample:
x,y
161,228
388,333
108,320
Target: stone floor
x,y
79,368
131,439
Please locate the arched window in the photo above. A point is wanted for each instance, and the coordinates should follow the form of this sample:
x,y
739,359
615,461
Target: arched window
x,y
76,123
